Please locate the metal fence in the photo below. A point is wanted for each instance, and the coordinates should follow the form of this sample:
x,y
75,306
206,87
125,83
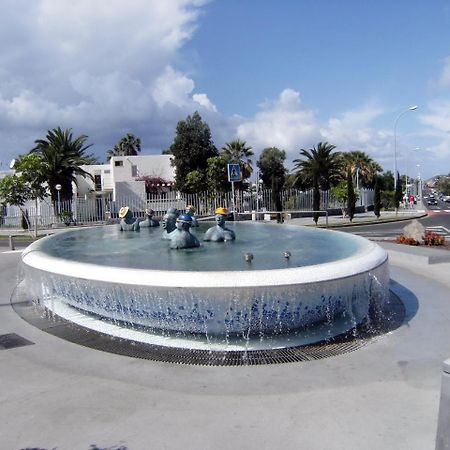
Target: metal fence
x,y
101,209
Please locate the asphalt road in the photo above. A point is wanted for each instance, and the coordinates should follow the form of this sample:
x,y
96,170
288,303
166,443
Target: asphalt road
x,y
438,220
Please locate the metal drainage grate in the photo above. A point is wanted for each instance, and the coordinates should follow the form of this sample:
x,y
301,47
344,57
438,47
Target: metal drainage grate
x,y
345,343
13,340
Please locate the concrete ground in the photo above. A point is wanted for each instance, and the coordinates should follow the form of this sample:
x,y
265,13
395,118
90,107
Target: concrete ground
x,y
59,395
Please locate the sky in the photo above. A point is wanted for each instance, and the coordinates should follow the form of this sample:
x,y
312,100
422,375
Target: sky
x,y
283,73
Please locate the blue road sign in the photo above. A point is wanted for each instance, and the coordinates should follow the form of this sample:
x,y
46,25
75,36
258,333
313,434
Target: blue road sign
x,y
234,172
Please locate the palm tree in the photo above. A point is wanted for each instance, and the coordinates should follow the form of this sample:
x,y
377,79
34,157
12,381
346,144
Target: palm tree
x,y
320,169
63,156
362,167
320,166
130,145
237,152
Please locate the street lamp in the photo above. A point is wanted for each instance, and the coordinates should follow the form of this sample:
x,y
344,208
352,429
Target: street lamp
x,y
419,181
258,183
58,189
411,108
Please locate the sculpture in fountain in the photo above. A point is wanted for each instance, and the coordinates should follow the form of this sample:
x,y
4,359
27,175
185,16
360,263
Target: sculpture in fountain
x,y
127,221
212,291
181,237
169,222
149,222
219,233
190,210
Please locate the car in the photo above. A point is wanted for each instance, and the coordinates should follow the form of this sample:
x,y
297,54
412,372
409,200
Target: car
x,y
432,201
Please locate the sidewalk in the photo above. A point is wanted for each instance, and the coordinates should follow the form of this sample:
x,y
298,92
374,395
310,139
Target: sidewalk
x,y
366,217
385,395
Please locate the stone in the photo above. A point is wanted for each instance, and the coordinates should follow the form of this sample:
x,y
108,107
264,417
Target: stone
x,y
414,230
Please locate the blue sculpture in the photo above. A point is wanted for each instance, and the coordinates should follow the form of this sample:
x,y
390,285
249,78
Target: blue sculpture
x,y
219,233
169,222
149,221
190,210
127,221
181,237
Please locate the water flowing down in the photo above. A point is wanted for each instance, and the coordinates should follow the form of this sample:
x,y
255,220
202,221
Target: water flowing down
x,y
300,282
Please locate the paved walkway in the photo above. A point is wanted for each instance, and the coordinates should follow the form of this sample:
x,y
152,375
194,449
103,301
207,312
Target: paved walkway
x,y
59,395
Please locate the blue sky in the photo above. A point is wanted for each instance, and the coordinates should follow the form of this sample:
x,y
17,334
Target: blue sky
x,y
273,73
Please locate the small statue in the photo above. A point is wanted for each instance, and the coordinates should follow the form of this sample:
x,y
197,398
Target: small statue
x,y
219,233
190,210
181,237
149,221
169,222
127,221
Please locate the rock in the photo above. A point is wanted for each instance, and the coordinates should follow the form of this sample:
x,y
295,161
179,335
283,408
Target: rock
x,y
414,230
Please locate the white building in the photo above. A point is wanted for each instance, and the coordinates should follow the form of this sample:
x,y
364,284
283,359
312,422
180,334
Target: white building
x,y
120,177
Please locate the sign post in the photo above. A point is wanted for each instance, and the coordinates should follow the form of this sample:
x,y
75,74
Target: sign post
x,y
234,174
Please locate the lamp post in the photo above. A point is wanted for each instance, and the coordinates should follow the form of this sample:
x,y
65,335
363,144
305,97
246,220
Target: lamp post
x,y
411,108
406,175
258,184
58,189
419,182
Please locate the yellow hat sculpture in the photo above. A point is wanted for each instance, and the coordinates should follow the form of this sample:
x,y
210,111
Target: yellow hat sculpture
x,y
221,210
123,211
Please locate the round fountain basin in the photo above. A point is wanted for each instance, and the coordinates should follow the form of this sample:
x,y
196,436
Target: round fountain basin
x,y
135,278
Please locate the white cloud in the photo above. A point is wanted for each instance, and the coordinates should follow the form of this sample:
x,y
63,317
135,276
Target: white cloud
x,y
107,67
283,123
437,133
352,130
438,116
172,87
443,80
102,68
203,100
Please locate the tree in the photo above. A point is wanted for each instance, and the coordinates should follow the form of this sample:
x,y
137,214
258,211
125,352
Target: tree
x,y
443,184
216,174
63,156
377,198
351,197
398,194
273,173
362,167
191,148
238,152
319,166
194,182
130,145
346,195
340,193
316,202
386,180
27,183
320,169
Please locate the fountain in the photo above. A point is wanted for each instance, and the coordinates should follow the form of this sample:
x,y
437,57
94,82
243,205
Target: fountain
x,y
300,284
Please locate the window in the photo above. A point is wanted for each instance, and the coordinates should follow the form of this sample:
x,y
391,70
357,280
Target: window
x,y
118,163
134,171
98,182
107,171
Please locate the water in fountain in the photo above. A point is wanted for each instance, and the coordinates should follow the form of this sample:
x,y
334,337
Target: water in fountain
x,y
212,294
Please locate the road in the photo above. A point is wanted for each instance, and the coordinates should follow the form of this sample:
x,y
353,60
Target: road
x,y
438,220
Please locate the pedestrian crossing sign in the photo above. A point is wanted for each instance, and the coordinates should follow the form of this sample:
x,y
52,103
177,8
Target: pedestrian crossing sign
x,y
234,172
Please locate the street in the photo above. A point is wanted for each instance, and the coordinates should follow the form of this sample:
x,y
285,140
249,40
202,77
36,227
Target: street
x,y
438,220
